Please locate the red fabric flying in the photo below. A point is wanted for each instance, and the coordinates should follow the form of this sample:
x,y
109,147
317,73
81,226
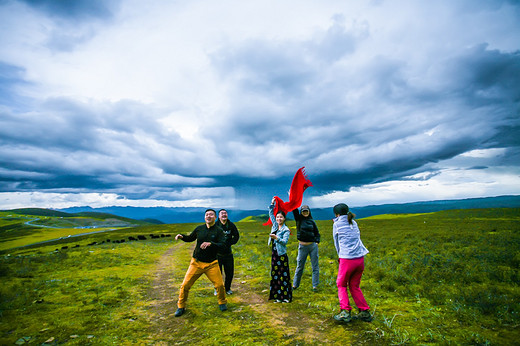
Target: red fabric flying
x,y
299,184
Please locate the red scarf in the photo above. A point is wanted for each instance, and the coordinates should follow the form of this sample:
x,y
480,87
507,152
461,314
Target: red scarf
x,y
299,184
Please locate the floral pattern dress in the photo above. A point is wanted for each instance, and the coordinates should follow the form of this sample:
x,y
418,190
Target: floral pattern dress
x,y
281,288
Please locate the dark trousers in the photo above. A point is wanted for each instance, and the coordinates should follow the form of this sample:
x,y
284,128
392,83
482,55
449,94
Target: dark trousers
x,y
228,263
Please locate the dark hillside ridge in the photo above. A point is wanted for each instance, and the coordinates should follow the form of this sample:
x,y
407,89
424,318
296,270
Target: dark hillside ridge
x,y
190,215
90,214
103,216
154,221
39,212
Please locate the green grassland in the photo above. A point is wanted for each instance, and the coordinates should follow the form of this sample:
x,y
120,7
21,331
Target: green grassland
x,y
448,277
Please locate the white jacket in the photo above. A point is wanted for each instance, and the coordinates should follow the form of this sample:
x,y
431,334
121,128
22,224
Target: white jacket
x,y
347,238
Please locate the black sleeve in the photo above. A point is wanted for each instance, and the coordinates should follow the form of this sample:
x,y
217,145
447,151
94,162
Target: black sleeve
x,y
297,218
191,237
234,234
221,239
316,232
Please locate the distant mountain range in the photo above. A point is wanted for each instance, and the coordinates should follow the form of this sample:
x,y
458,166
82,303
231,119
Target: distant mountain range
x,y
190,215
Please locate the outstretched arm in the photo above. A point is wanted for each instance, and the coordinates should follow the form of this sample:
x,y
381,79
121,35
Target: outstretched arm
x,y
187,238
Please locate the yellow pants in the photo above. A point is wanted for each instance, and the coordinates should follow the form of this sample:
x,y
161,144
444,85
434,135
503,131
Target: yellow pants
x,y
195,270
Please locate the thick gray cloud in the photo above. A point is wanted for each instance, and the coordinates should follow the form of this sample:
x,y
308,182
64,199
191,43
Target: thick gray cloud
x,y
360,126
360,100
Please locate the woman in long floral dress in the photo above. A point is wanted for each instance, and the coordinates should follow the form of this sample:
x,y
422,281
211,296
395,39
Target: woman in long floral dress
x,y
281,285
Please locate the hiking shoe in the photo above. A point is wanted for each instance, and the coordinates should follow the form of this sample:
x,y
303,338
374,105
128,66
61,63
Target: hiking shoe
x,y
364,315
228,292
179,312
223,307
343,317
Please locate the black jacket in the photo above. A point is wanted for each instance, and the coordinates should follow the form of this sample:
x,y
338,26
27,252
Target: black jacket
x,y
306,228
214,234
231,235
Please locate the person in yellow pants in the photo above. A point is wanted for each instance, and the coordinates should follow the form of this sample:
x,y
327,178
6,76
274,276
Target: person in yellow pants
x,y
210,239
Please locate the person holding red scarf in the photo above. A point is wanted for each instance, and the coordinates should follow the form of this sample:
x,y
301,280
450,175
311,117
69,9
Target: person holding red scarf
x,y
281,287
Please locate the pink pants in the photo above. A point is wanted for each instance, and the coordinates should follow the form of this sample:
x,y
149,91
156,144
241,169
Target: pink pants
x,y
349,277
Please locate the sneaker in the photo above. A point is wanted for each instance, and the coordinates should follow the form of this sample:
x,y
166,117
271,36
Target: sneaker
x,y
294,288
285,301
277,301
223,307
364,315
344,316
315,289
228,292
179,312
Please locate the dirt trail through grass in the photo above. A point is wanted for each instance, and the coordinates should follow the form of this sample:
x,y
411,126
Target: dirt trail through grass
x,y
299,327
162,299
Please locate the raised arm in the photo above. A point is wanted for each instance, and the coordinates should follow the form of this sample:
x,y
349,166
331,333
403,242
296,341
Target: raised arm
x,y
271,211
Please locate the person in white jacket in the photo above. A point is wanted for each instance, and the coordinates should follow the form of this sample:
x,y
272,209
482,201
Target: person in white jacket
x,y
351,253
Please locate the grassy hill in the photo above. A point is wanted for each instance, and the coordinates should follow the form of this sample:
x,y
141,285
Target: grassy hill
x,y
256,218
448,277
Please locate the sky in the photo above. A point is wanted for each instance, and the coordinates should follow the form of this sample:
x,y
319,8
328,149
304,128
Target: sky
x,y
218,103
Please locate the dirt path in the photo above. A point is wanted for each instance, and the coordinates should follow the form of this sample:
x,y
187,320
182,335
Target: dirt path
x,y
162,301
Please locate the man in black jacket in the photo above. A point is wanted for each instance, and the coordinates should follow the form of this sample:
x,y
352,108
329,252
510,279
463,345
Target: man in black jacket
x,y
210,239
225,256
308,237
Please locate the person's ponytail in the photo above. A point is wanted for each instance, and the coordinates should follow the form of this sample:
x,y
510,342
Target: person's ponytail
x,y
351,217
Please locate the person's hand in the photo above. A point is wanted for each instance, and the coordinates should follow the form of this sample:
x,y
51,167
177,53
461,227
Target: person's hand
x,y
273,236
273,201
205,245
178,236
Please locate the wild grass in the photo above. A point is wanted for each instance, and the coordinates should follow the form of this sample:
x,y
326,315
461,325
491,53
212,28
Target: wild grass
x,y
443,278
83,292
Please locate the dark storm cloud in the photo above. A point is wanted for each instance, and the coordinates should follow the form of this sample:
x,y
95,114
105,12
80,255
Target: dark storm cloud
x,y
72,126
484,76
85,145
